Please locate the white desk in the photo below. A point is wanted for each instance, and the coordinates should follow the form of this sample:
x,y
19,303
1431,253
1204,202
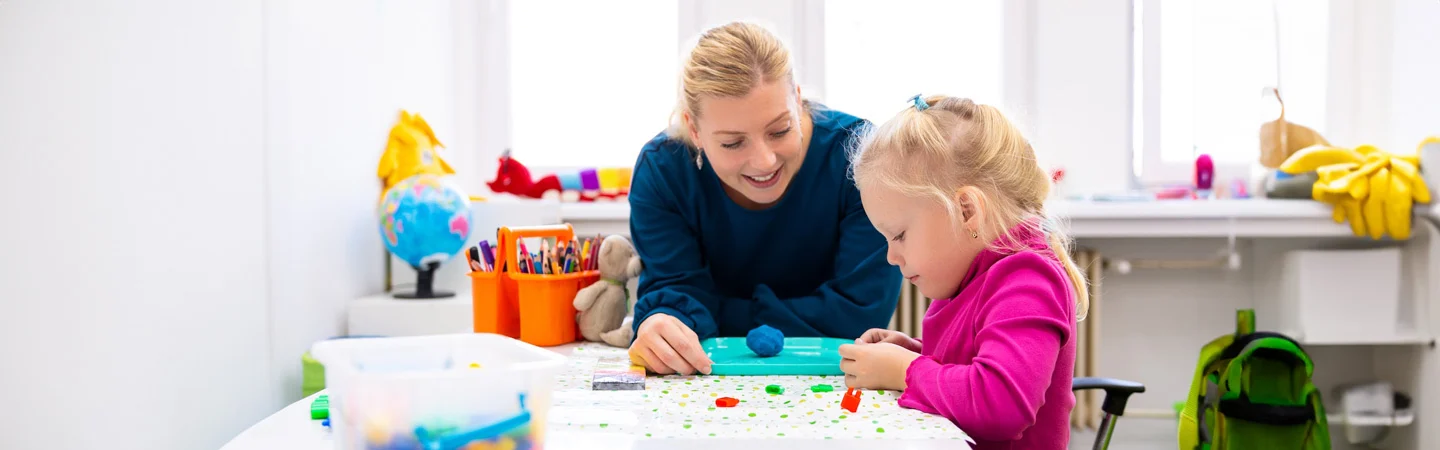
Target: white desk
x,y
576,410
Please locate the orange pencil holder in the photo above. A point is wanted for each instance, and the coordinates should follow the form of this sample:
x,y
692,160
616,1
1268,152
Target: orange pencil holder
x,y
535,308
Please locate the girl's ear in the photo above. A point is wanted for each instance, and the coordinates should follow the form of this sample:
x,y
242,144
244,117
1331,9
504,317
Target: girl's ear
x,y
972,207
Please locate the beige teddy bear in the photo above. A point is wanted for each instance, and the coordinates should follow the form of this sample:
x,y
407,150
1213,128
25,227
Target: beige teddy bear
x,y
604,304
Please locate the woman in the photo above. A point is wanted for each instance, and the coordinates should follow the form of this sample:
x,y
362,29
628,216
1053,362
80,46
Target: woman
x,y
744,214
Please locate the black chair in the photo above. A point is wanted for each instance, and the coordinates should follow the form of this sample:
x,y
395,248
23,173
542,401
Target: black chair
x,y
1117,392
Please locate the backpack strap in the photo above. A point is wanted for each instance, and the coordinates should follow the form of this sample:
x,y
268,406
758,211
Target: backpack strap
x,y
1268,345
1208,403
1279,415
1240,343
1234,402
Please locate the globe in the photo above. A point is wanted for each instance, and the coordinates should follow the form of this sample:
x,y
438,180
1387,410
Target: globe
x,y
424,221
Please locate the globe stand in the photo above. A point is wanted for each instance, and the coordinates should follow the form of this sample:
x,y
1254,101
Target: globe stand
x,y
425,284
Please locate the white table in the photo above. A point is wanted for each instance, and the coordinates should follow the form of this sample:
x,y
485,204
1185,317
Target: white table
x,y
576,412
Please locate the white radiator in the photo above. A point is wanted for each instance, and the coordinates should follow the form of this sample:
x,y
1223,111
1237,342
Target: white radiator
x,y
910,313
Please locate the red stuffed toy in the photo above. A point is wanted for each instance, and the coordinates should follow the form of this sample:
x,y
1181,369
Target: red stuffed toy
x,y
587,185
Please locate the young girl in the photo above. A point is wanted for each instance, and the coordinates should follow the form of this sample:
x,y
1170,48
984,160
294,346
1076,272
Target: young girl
x,y
955,189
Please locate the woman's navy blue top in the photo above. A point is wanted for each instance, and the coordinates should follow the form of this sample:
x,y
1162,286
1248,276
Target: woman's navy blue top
x,y
810,265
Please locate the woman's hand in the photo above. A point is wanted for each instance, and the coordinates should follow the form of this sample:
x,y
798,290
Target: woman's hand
x,y
879,335
665,345
875,366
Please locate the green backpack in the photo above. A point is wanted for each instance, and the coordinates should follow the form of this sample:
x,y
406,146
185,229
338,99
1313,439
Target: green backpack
x,y
1252,390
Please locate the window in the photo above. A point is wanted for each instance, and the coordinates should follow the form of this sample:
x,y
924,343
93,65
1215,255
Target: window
x,y
590,81
877,58
1202,84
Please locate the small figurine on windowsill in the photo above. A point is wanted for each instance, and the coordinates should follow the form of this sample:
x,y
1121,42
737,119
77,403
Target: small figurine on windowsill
x,y
587,185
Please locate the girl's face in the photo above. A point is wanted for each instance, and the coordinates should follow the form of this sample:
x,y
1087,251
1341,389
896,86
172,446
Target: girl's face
x,y
931,250
755,143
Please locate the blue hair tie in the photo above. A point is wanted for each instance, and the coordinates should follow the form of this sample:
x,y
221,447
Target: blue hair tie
x,y
920,104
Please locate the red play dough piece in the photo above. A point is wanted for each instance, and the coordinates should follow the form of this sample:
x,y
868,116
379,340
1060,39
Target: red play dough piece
x,y
726,402
851,400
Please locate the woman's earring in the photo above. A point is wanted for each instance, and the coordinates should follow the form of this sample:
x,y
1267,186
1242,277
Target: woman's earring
x,y
974,235
698,164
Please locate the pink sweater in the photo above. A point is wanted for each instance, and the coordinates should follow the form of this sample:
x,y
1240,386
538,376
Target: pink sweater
x,y
999,357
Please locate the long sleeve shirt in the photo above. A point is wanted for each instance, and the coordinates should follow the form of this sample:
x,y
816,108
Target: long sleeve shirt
x,y
810,265
999,357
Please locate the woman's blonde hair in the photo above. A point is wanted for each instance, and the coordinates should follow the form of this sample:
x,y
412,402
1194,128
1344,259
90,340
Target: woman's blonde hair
x,y
728,61
944,144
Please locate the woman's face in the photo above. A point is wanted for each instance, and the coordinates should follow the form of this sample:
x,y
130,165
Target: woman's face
x,y
753,142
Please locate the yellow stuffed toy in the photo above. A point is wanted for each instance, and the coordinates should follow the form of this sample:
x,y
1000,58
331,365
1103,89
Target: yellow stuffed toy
x,y
411,151
1372,188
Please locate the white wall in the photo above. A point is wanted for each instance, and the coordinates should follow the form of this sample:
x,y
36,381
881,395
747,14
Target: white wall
x,y
134,231
327,115
1415,74
207,210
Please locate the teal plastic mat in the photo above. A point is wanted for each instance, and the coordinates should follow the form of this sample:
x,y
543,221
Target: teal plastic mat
x,y
801,356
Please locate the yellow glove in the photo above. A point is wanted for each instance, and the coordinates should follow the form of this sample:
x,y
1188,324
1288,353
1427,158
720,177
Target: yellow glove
x,y
1370,187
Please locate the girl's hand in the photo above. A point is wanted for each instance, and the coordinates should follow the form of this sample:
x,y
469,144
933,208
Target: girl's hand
x,y
875,366
665,345
878,335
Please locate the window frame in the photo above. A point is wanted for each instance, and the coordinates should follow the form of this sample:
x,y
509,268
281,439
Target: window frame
x,y
494,130
1149,168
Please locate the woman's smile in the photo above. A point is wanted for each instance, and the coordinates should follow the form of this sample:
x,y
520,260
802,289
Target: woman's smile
x,y
764,181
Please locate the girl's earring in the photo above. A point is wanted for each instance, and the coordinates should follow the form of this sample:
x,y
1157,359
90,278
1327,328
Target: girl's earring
x,y
974,235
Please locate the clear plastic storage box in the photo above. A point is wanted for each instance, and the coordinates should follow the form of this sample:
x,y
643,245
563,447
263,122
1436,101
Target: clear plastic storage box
x,y
441,392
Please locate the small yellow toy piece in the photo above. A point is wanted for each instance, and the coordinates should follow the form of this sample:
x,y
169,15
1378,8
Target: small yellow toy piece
x,y
1372,188
410,151
474,365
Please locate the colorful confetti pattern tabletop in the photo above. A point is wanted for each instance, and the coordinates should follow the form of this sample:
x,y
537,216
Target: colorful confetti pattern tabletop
x,y
684,407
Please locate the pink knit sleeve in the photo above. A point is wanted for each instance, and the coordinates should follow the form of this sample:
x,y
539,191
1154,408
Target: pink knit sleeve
x,y
1023,325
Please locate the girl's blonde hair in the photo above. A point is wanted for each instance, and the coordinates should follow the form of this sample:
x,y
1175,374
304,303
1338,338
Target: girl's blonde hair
x,y
936,148
728,61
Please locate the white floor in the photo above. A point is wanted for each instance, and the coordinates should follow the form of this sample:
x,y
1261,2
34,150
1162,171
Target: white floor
x,y
1132,434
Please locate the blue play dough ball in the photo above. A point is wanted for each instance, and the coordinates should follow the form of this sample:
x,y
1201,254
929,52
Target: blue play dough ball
x,y
765,340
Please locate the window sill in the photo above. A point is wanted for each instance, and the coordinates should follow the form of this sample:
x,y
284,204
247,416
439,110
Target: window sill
x,y
1140,219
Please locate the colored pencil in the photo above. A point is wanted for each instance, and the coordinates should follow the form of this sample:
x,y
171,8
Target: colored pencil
x,y
487,255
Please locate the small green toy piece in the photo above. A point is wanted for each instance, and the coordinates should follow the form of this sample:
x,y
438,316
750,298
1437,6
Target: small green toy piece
x,y
320,408
821,388
774,389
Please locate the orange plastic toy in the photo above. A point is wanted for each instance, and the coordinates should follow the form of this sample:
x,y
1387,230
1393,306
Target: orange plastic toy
x,y
851,401
726,402
535,308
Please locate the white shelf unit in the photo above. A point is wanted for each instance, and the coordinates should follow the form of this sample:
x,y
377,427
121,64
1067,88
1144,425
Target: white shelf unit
x,y
1400,419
